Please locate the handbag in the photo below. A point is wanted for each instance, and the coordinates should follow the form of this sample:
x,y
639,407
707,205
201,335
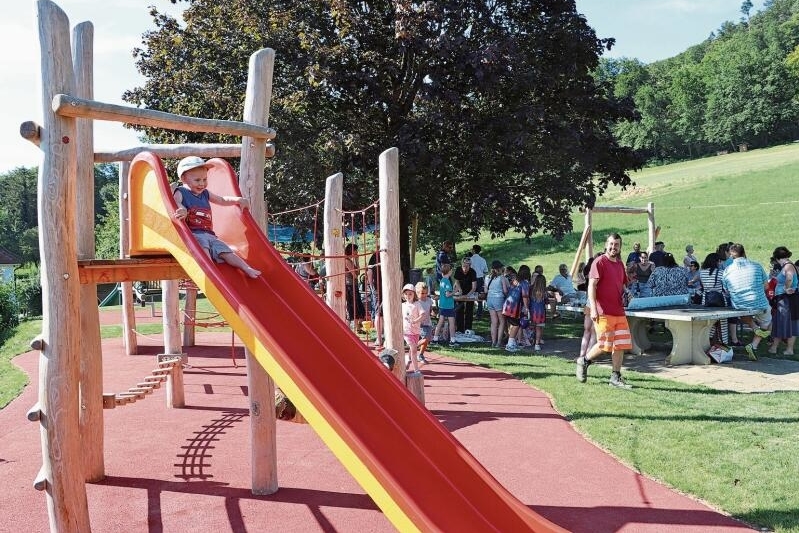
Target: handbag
x,y
720,353
715,298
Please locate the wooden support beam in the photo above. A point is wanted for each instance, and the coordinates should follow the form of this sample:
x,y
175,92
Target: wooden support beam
x,y
179,151
619,209
109,400
583,241
37,344
31,131
115,270
69,106
34,413
129,394
40,483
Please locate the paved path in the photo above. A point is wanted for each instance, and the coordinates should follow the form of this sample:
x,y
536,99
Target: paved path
x,y
188,469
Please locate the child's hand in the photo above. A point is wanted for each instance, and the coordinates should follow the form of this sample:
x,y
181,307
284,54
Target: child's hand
x,y
244,203
181,213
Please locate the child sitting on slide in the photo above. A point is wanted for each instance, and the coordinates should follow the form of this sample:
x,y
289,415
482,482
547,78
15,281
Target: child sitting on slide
x,y
194,206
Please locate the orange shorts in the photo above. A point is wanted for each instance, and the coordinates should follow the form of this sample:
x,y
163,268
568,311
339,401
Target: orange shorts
x,y
613,333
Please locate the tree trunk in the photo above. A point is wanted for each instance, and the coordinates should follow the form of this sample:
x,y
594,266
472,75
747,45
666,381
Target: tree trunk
x,y
405,240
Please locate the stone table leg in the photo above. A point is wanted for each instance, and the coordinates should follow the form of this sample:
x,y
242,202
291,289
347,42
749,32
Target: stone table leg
x,y
689,342
639,334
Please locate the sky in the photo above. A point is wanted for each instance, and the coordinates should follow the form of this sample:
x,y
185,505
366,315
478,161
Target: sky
x,y
647,29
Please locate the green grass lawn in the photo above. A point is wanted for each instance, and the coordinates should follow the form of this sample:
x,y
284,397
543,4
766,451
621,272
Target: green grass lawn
x,y
748,197
739,452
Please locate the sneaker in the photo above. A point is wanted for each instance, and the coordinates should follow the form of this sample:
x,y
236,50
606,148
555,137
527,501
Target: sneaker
x,y
511,348
617,381
537,348
453,344
582,369
422,359
750,352
762,333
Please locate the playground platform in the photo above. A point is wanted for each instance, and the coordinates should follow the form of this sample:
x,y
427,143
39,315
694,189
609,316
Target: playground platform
x,y
188,469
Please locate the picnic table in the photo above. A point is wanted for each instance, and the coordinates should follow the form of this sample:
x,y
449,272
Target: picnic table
x,y
689,326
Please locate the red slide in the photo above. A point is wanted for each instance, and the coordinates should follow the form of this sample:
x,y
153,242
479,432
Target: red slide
x,y
414,469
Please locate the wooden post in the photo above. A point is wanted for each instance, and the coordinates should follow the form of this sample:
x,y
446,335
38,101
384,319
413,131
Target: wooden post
x,y
129,339
650,219
415,383
391,274
583,240
170,316
176,396
175,393
261,387
189,316
589,245
91,368
59,361
334,245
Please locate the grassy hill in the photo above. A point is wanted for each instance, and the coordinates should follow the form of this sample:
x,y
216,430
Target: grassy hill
x,y
747,197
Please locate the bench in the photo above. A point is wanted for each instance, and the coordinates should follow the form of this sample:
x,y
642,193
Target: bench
x,y
689,326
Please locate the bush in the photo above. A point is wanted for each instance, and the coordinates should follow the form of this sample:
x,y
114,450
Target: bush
x,y
9,311
30,296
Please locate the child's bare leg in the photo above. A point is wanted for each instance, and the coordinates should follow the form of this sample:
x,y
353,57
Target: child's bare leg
x,y
422,346
379,330
412,355
234,260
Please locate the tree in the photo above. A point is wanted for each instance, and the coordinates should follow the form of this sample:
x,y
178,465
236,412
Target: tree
x,y
18,212
106,234
746,8
492,105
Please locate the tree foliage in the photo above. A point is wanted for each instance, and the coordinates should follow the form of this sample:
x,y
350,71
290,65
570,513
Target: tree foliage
x,y
739,87
19,211
499,122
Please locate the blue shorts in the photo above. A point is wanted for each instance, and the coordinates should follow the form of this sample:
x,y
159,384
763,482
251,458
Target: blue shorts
x,y
495,303
213,245
446,312
426,332
375,305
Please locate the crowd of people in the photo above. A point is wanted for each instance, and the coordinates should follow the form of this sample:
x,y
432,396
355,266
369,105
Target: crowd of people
x,y
517,301
520,301
726,278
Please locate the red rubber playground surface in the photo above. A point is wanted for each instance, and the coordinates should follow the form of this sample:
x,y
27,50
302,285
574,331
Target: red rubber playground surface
x,y
188,469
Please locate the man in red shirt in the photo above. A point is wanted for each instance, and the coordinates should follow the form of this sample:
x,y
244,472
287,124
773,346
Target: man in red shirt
x,y
607,283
